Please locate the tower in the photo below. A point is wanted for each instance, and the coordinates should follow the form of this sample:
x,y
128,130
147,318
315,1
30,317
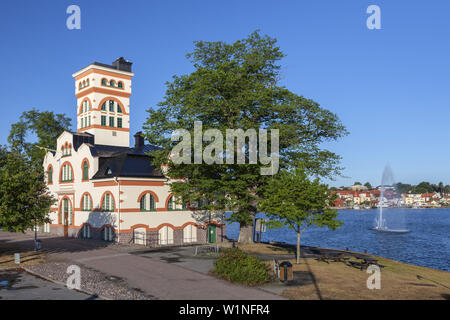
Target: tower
x,y
103,101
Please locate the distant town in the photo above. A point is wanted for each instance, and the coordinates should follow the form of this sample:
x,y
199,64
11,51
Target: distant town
x,y
424,195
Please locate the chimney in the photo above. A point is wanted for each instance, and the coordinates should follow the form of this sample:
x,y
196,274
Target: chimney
x,y
138,140
122,64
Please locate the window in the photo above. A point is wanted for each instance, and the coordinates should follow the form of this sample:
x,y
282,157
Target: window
x,y
86,232
148,202
82,122
112,83
184,206
120,84
119,122
89,121
111,121
85,170
104,82
119,108
108,234
47,227
170,204
190,234
66,208
111,105
104,106
66,174
103,121
86,203
108,203
165,235
50,175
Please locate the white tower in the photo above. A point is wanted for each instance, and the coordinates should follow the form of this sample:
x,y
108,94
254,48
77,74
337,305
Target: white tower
x,y
103,101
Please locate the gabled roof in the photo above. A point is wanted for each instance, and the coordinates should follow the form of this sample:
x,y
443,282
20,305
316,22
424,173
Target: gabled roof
x,y
125,162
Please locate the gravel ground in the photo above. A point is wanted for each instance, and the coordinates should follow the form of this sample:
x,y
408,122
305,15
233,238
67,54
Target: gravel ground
x,y
92,281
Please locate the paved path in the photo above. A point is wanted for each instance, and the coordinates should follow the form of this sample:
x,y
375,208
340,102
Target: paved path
x,y
153,276
19,285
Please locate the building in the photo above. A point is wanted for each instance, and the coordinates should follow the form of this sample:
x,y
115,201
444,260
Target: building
x,y
106,189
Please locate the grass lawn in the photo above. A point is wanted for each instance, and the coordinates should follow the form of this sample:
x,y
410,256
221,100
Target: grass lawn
x,y
336,280
27,258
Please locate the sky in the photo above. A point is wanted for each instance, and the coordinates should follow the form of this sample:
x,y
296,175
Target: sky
x,y
389,87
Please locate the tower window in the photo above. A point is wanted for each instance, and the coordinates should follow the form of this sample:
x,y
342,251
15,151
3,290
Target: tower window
x,y
120,84
119,122
111,105
119,109
104,106
111,121
50,175
85,171
112,83
104,82
103,121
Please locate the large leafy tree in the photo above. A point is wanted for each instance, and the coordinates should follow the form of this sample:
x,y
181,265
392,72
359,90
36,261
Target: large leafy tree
x,y
24,198
37,129
292,199
236,86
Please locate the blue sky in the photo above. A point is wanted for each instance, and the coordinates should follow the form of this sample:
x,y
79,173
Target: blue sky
x,y
390,87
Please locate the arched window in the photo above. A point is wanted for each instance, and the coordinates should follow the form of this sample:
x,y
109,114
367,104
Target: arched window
x,y
86,202
108,203
189,234
120,84
50,175
104,106
119,108
108,234
104,82
111,105
165,235
170,204
112,83
85,170
80,85
86,232
66,173
87,82
148,202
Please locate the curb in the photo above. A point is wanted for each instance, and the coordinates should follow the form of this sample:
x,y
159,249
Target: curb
x,y
62,284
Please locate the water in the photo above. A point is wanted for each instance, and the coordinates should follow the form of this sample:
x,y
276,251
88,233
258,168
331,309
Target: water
x,y
427,244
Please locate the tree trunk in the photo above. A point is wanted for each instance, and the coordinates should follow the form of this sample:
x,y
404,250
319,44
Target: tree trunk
x,y
298,247
246,234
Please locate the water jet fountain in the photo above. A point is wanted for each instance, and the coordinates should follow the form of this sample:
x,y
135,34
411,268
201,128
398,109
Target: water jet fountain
x,y
380,223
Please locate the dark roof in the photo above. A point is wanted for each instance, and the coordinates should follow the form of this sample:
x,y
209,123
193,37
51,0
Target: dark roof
x,y
125,162
120,64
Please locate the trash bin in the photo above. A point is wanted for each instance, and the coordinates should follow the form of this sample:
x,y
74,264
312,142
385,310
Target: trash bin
x,y
37,244
286,273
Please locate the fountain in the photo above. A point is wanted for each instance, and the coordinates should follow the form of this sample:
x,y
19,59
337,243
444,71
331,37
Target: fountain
x,y
380,223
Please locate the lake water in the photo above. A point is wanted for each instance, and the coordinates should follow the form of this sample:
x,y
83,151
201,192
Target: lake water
x,y
428,243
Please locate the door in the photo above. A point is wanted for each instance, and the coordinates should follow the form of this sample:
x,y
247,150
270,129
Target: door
x,y
211,233
66,217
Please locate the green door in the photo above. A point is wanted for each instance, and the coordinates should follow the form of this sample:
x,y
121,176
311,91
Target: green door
x,y
211,233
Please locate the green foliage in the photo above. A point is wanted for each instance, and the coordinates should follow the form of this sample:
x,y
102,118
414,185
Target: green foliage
x,y
368,185
237,266
43,127
235,86
291,199
24,197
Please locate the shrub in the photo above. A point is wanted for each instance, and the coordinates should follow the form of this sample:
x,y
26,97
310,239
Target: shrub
x,y
237,266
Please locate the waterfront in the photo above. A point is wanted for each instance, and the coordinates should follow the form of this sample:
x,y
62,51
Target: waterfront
x,y
428,243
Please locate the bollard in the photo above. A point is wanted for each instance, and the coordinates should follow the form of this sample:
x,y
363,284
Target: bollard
x,y
286,272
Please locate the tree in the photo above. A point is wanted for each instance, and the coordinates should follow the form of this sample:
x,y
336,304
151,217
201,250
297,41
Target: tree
x,y
42,126
292,200
24,198
235,86
357,183
368,185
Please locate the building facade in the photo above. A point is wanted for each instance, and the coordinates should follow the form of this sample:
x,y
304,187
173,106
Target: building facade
x,y
106,189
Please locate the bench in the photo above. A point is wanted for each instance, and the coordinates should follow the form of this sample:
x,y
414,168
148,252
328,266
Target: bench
x,y
206,249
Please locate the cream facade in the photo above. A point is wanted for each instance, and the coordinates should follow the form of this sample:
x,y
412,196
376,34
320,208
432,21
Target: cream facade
x,y
106,189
